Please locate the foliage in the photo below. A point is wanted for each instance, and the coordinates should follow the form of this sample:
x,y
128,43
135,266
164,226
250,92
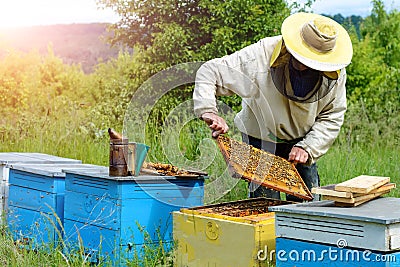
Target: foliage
x,y
199,29
373,78
45,105
352,23
384,28
165,33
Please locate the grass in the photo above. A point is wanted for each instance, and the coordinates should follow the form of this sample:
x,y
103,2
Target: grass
x,y
343,162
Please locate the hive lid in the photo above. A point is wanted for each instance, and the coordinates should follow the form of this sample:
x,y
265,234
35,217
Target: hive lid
x,y
19,157
143,178
384,210
53,170
266,169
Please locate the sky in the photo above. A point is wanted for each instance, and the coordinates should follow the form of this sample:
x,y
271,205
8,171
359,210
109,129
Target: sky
x,y
17,13
349,7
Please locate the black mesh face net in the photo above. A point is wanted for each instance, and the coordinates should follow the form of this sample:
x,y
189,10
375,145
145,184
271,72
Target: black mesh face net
x,y
304,86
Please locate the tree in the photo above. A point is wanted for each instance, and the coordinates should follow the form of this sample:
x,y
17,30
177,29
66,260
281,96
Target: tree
x,y
384,28
164,33
194,29
373,78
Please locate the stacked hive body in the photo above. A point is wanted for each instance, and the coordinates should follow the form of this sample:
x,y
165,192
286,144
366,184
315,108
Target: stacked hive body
x,y
117,218
8,158
356,191
228,234
258,166
322,234
36,203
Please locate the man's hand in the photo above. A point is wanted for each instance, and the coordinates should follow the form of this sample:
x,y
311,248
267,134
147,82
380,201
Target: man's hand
x,y
298,155
216,123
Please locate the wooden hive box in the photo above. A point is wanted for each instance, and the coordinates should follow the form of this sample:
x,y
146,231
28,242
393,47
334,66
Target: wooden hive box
x,y
7,158
115,218
226,234
374,225
36,203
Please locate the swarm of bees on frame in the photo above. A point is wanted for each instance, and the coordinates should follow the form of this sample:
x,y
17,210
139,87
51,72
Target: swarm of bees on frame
x,y
264,168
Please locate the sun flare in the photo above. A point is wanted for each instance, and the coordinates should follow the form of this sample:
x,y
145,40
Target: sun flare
x,y
17,13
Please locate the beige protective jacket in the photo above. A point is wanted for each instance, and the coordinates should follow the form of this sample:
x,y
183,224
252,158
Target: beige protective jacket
x,y
265,110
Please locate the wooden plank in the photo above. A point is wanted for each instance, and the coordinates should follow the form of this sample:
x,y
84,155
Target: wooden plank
x,y
360,200
329,190
362,184
351,205
383,188
355,199
366,200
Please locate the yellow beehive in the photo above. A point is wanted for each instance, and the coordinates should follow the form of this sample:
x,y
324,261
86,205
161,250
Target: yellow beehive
x,y
232,234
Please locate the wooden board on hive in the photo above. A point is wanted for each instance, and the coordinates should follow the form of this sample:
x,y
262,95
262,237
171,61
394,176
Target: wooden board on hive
x,y
329,190
258,166
356,200
349,199
359,202
385,187
362,184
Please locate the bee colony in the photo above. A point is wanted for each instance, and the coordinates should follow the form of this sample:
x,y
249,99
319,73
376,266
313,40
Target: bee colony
x,y
170,170
242,208
261,167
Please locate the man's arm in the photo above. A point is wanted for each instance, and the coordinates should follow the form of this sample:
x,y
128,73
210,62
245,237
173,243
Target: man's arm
x,y
223,77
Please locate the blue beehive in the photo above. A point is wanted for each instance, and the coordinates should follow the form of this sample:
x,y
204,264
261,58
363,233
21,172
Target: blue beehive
x,y
36,202
371,226
291,252
321,234
115,217
8,158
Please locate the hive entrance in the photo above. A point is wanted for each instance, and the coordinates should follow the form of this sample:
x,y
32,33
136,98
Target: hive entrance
x,y
261,167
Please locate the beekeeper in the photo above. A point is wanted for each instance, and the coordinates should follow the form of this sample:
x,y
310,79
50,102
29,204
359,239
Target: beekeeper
x,y
292,88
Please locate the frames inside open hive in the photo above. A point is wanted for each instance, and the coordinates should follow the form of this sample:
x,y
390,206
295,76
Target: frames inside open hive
x,y
261,167
241,208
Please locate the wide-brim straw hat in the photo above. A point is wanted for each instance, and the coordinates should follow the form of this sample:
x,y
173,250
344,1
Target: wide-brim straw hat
x,y
316,41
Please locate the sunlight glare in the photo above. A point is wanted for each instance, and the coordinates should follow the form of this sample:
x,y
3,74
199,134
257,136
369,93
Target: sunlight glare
x,y
17,13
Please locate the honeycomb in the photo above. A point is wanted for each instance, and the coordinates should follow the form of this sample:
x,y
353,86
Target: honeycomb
x,y
241,208
261,167
171,170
